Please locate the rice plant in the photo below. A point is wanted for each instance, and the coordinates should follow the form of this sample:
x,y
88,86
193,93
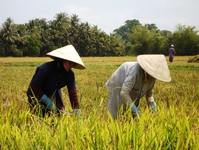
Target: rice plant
x,y
176,126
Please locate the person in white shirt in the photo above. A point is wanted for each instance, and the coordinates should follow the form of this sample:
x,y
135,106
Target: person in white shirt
x,y
133,80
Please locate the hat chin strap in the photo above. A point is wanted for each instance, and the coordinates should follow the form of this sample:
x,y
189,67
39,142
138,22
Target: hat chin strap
x,y
145,77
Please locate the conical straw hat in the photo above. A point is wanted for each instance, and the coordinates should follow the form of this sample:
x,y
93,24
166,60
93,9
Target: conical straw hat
x,y
68,53
156,66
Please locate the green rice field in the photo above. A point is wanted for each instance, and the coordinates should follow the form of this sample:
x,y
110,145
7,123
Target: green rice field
x,y
175,127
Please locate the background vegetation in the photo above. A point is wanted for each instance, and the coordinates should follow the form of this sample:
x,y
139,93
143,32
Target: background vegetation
x,y
39,36
175,127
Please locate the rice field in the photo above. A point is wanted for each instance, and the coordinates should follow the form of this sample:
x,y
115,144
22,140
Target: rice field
x,y
176,126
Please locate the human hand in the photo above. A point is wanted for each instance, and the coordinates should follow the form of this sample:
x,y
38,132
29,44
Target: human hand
x,y
152,105
77,112
50,105
134,110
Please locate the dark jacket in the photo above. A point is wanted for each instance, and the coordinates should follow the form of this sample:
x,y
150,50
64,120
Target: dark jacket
x,y
48,79
171,52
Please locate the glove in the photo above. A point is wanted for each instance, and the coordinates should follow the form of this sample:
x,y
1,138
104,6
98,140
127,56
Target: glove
x,y
152,105
49,104
135,111
77,112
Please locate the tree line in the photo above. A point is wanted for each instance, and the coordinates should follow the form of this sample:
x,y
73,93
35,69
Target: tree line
x,y
39,36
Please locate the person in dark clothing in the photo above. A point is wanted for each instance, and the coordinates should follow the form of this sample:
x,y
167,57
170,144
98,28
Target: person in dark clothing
x,y
171,53
50,77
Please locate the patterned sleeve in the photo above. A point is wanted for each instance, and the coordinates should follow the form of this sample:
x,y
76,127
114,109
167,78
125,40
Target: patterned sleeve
x,y
72,91
149,95
73,98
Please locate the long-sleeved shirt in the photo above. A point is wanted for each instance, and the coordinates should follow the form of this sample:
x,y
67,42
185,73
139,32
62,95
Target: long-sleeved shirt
x,y
171,52
49,78
129,78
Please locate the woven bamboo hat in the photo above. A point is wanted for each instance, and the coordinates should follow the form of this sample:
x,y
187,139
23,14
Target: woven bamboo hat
x,y
68,53
156,66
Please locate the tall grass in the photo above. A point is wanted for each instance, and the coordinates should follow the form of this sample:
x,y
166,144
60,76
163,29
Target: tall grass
x,y
174,127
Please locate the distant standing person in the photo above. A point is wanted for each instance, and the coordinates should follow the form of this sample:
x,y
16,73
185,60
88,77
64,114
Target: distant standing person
x,y
45,86
171,53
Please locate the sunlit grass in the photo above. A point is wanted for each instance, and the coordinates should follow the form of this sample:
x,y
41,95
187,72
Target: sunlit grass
x,y
174,127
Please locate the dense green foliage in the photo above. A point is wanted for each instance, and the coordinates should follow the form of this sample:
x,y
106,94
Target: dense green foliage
x,y
148,39
38,36
175,127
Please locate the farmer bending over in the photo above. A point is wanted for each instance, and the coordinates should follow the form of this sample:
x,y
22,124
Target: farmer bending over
x,y
50,77
133,80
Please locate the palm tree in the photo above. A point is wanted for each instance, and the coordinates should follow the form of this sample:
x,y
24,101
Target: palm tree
x,y
84,38
73,34
34,28
9,35
60,27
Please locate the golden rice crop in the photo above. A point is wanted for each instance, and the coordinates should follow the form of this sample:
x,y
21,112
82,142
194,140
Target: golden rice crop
x,y
174,127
